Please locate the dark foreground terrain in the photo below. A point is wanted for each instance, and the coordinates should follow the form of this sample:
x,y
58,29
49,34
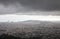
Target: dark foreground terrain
x,y
30,30
49,36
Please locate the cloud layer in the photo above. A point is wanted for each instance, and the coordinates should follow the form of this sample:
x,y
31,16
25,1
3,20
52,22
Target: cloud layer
x,y
23,6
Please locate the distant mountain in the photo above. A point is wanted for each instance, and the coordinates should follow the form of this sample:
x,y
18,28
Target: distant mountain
x,y
34,22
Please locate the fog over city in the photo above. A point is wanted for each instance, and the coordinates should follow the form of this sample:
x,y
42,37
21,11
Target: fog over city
x,y
17,18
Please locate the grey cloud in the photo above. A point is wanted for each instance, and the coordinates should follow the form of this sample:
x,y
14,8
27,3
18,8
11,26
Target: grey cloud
x,y
45,5
23,6
10,8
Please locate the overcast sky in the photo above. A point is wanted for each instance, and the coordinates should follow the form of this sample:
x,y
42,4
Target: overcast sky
x,y
42,7
20,10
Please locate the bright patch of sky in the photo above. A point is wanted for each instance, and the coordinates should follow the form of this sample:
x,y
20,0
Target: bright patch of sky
x,y
17,18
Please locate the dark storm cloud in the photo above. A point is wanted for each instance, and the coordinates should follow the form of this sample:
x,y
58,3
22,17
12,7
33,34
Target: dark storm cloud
x,y
20,6
46,5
